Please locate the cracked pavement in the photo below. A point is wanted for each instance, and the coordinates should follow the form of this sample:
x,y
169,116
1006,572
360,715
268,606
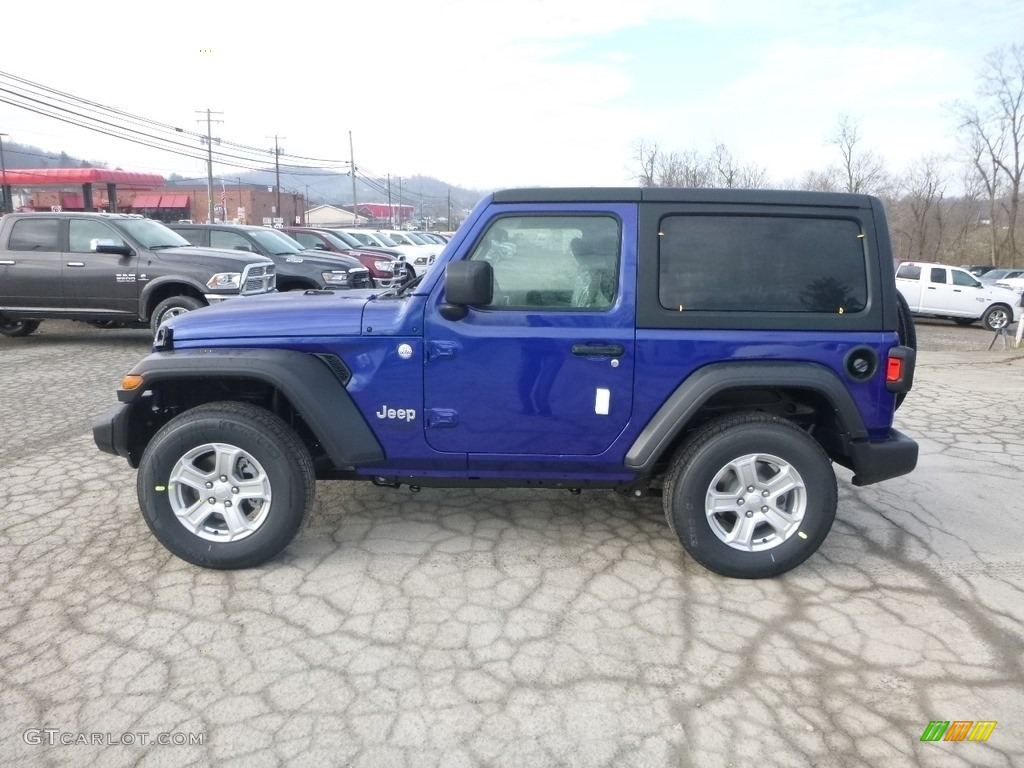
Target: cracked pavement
x,y
510,627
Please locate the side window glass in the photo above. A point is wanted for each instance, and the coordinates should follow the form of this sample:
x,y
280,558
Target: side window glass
x,y
755,263
34,235
909,271
962,278
229,240
81,233
306,239
552,262
938,275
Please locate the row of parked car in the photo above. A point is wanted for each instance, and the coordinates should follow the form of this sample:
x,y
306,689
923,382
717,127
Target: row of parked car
x,y
123,269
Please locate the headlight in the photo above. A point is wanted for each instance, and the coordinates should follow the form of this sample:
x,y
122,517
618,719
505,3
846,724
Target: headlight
x,y
225,280
384,266
337,278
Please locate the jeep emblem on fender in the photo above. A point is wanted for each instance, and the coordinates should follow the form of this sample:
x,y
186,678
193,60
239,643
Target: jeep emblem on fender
x,y
393,414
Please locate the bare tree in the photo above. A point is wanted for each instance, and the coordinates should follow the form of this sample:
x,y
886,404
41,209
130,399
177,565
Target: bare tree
x,y
645,155
694,169
925,187
863,171
993,134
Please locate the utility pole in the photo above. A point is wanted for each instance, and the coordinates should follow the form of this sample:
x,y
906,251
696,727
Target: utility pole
x,y
277,172
352,165
305,209
391,211
239,200
7,207
399,202
209,162
450,227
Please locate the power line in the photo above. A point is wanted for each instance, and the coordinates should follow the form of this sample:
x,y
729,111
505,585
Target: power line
x,y
172,145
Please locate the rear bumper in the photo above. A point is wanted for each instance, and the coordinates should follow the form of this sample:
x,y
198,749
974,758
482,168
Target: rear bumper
x,y
877,460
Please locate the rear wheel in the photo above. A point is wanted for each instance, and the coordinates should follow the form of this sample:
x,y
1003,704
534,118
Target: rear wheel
x,y
226,485
750,496
17,328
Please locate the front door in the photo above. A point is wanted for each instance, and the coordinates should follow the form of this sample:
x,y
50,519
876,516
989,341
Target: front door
x,y
545,369
99,282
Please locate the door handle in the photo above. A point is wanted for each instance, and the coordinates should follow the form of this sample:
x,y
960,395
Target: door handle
x,y
598,350
931,288
76,263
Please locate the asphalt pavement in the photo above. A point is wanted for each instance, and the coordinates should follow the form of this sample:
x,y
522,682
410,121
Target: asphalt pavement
x,y
508,627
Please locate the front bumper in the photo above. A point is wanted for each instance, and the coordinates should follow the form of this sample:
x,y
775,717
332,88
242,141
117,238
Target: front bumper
x,y
110,430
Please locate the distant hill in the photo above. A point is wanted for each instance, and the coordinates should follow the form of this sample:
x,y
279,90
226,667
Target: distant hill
x,y
25,156
427,194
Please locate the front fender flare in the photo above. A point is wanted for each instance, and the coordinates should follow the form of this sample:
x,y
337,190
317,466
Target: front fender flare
x,y
307,381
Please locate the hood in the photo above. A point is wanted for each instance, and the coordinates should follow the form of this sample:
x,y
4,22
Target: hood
x,y
326,259
219,259
275,315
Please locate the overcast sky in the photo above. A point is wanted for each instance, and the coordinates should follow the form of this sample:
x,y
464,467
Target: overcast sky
x,y
524,93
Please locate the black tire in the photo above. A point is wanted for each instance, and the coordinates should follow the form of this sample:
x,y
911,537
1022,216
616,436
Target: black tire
x,y
246,445
906,331
768,444
964,321
175,305
17,328
997,317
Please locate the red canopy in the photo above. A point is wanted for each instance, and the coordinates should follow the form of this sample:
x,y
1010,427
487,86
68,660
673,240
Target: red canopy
x,y
42,177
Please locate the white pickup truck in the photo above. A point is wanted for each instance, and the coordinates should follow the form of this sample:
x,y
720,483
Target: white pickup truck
x,y
938,290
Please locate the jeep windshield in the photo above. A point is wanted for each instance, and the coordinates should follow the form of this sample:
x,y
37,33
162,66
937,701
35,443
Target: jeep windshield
x,y
150,234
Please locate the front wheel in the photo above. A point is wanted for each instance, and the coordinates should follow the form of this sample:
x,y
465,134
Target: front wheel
x,y
997,317
226,485
172,307
17,328
750,496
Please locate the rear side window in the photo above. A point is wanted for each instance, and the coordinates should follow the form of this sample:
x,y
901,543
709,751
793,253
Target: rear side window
x,y
34,235
909,271
761,264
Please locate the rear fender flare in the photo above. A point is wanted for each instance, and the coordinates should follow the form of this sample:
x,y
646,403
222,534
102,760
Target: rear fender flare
x,y
681,406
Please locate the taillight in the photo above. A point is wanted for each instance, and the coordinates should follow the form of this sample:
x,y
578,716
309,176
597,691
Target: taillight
x,y
894,369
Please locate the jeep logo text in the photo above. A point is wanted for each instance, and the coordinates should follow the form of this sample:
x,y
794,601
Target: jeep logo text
x,y
400,414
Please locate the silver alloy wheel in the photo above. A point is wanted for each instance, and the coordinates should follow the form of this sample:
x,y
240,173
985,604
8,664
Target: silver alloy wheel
x,y
756,502
219,492
173,312
997,319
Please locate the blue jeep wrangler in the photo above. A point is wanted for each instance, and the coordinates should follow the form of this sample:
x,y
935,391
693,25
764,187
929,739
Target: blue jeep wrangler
x,y
719,348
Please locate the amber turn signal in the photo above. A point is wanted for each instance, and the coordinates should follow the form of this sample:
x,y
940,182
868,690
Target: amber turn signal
x,y
131,381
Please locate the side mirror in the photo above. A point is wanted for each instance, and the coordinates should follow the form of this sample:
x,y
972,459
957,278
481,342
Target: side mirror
x,y
466,283
109,246
320,247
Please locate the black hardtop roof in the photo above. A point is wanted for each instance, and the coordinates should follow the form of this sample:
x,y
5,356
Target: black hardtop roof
x,y
682,195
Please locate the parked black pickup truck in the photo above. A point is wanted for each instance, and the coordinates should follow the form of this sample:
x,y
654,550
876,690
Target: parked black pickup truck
x,y
298,269
112,269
